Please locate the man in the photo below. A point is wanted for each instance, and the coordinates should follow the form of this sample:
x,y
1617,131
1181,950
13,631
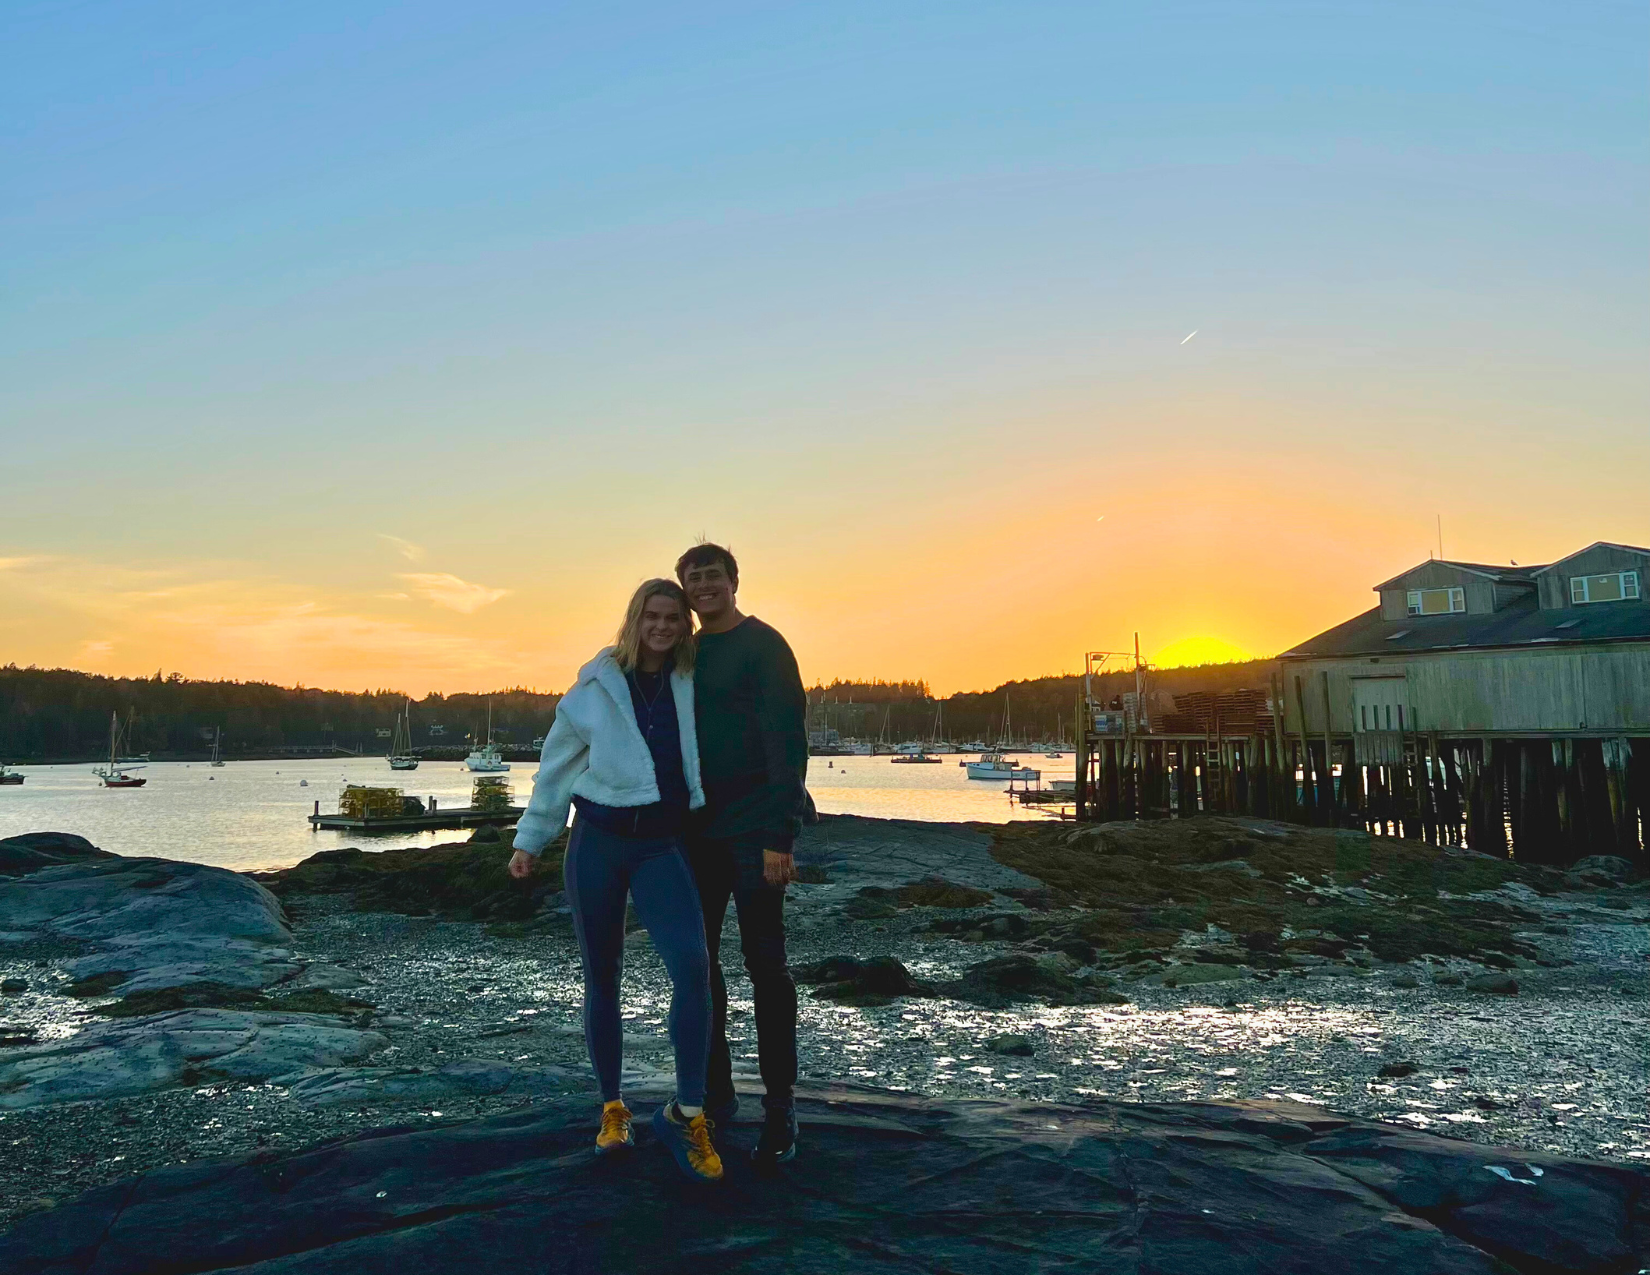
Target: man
x,y
751,714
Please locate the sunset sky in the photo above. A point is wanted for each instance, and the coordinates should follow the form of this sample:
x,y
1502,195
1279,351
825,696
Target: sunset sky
x,y
391,345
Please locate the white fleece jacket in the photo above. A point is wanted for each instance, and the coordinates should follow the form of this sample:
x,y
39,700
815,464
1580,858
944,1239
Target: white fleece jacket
x,y
596,750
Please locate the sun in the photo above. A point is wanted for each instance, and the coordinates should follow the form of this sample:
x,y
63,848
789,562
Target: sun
x,y
1200,649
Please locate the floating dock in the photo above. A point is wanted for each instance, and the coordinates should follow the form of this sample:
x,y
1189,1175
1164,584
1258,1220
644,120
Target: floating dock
x,y
458,817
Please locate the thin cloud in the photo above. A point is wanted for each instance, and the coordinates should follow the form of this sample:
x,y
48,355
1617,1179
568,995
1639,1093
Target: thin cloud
x,y
449,591
13,564
406,548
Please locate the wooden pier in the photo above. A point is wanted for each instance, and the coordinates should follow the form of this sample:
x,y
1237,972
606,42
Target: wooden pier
x,y
1542,800
458,817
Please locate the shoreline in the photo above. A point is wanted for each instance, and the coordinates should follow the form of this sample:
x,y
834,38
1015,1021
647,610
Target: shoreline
x,y
481,1016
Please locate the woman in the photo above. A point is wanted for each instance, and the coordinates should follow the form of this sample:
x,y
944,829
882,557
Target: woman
x,y
624,752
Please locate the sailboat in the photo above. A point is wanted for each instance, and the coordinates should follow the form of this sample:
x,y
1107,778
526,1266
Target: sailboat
x,y
401,755
917,754
217,748
114,774
487,759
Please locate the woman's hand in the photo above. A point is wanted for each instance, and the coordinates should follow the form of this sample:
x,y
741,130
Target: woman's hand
x,y
522,865
778,869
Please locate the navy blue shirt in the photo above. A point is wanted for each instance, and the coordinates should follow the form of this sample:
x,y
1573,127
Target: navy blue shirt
x,y
654,703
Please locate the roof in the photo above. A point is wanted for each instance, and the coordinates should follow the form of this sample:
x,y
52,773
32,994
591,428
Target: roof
x,y
1487,570
1597,544
1523,623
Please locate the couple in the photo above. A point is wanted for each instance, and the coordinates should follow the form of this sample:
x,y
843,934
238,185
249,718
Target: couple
x,y
684,757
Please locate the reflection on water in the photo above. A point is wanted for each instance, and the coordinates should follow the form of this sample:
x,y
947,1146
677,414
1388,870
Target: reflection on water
x,y
249,815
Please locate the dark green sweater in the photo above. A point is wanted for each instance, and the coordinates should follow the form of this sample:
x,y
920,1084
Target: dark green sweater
x,y
751,713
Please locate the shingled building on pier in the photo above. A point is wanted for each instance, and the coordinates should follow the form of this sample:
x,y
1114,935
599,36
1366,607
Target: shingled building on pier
x,y
1542,671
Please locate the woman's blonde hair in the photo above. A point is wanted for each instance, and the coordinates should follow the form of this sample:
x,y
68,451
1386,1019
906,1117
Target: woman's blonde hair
x,y
628,645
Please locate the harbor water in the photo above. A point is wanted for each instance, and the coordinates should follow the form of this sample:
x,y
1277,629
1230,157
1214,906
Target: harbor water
x,y
253,815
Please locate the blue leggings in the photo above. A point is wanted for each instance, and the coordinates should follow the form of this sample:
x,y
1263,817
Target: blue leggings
x,y
600,869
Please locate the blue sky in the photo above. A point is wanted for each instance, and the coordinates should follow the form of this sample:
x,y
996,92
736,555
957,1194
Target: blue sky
x,y
549,291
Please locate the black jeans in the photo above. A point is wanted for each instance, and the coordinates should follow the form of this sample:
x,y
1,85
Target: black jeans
x,y
732,868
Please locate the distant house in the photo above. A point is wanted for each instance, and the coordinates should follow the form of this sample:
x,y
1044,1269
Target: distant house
x,y
1525,671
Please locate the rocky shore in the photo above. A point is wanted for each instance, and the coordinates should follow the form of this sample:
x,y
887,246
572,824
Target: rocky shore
x,y
153,1013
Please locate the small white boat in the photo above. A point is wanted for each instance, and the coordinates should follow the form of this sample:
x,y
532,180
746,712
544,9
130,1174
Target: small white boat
x,y
996,766
10,776
1054,756
918,758
217,748
487,759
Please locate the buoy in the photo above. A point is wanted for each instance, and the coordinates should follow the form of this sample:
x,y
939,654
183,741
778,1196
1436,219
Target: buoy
x,y
303,783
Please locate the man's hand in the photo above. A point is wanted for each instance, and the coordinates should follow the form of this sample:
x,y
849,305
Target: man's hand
x,y
522,865
778,869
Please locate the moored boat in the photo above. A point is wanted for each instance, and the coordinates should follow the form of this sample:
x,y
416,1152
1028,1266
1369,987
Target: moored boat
x,y
117,773
10,776
487,759
996,766
401,755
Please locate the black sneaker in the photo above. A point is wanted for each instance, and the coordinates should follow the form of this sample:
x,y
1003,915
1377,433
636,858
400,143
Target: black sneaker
x,y
722,1110
778,1141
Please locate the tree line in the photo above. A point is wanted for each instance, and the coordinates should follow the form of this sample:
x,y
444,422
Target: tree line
x,y
62,713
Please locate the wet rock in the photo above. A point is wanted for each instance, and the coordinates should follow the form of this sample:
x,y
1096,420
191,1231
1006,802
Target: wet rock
x,y
469,1077
1494,984
31,851
486,835
1039,898
1009,980
221,996
1398,1070
1012,1044
850,981
1406,981
812,874
1197,974
896,1183
937,892
1446,978
1600,870
332,978
157,922
13,986
863,908
136,1055
992,927
459,880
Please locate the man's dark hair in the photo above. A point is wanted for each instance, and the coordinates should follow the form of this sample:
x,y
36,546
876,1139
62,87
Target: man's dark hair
x,y
705,554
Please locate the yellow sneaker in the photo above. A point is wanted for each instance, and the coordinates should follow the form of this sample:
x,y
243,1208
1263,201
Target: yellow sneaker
x,y
689,1142
614,1135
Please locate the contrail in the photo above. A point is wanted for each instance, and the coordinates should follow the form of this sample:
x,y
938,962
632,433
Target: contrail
x,y
1190,335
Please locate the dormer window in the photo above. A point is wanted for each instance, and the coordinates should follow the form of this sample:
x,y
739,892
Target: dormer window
x,y
1438,601
1614,586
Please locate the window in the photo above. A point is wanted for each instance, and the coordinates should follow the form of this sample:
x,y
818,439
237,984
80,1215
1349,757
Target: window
x,y
1615,586
1437,601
